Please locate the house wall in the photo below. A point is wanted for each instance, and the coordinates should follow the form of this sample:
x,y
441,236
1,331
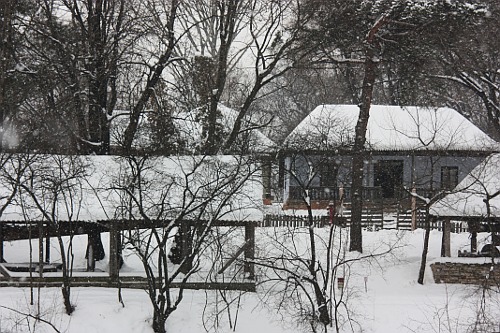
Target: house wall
x,y
425,171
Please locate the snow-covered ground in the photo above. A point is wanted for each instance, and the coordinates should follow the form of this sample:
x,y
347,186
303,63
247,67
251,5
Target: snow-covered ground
x,y
385,298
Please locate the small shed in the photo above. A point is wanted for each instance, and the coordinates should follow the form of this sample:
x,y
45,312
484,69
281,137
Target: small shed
x,y
475,200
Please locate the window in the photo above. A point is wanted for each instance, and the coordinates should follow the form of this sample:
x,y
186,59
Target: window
x,y
328,173
388,175
449,177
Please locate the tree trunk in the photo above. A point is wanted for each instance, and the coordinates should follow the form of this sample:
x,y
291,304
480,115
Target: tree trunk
x,y
159,321
423,262
66,285
6,9
356,242
370,68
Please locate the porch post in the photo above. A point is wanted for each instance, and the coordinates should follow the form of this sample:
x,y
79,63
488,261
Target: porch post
x,y
266,180
473,242
445,245
413,208
473,229
413,197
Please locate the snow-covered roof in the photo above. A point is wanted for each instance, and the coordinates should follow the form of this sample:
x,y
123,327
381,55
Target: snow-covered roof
x,y
92,188
467,199
395,128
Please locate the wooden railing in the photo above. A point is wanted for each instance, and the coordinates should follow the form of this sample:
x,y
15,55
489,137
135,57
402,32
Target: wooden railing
x,y
325,193
370,219
333,193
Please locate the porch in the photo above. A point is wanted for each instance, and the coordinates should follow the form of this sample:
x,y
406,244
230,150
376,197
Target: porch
x,y
374,194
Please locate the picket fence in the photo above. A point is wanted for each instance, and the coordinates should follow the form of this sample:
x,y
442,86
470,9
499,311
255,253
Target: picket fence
x,y
371,220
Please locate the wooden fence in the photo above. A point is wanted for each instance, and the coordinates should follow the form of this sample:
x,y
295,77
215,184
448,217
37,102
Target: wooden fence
x,y
368,220
372,219
293,221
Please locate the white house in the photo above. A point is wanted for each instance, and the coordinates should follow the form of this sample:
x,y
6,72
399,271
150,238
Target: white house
x,y
424,148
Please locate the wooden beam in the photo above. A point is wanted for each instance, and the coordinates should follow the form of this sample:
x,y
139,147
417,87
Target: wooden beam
x,y
130,282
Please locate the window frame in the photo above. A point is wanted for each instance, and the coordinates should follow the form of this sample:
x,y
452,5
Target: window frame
x,y
449,177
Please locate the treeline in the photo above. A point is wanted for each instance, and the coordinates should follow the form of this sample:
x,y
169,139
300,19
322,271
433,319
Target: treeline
x,y
97,76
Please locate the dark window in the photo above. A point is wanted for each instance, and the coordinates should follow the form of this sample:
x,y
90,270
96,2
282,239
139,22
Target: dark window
x,y
329,171
388,175
281,173
449,177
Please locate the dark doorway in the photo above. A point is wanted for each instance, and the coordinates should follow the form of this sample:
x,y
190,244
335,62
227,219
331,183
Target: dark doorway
x,y
389,176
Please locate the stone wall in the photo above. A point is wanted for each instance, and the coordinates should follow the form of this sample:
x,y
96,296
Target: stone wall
x,y
466,273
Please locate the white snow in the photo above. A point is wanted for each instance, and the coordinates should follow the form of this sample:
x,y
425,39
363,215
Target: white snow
x,y
330,127
384,298
96,191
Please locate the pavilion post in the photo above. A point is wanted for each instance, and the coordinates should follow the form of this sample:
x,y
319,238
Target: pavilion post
x,y
47,245
445,245
186,247
113,250
40,248
250,250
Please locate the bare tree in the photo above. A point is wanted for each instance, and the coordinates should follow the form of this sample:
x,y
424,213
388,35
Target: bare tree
x,y
302,266
78,46
177,195
462,69
12,171
52,193
236,48
11,68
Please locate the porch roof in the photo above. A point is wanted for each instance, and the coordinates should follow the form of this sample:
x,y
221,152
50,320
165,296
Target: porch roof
x,y
390,128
